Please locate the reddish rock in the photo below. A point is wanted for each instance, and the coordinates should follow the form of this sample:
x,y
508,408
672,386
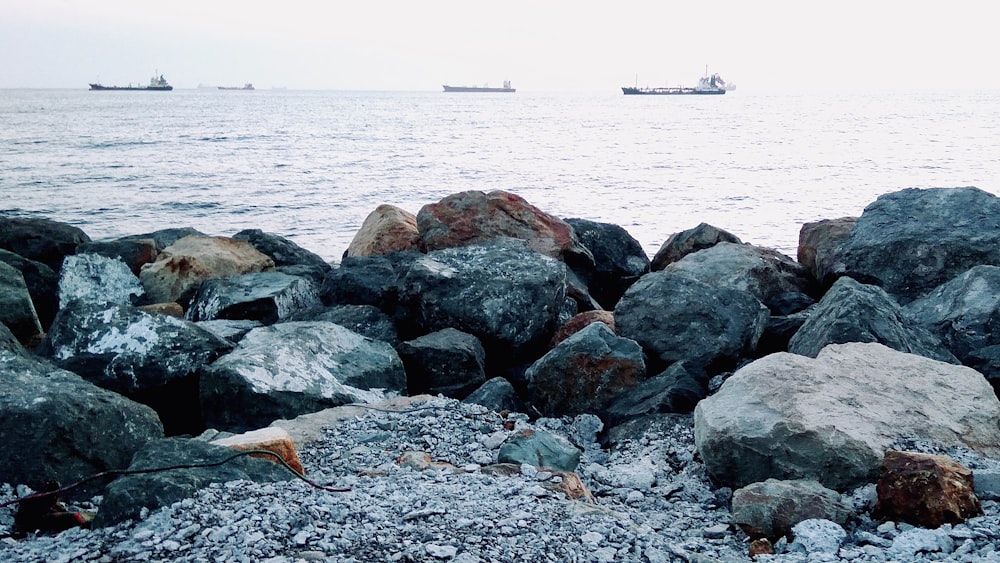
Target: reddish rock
x,y
817,240
581,320
387,229
182,266
761,546
272,439
170,309
925,490
469,217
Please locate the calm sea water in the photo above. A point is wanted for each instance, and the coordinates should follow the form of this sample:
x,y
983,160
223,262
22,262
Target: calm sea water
x,y
310,166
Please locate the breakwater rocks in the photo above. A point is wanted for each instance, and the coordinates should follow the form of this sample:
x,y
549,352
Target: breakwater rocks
x,y
485,381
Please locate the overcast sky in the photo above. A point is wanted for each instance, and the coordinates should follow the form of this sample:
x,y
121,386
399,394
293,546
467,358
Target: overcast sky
x,y
540,45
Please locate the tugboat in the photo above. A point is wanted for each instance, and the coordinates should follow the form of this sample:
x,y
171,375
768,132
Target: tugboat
x,y
156,84
707,85
484,88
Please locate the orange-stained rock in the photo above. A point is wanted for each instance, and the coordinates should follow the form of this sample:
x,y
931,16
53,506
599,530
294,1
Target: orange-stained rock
x,y
761,546
471,217
182,266
272,439
817,240
387,229
580,321
925,490
171,309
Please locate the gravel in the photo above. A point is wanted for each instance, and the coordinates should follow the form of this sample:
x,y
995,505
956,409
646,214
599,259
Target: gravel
x,y
652,501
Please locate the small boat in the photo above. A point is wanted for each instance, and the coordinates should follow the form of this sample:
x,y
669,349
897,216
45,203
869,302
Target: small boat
x,y
707,86
484,88
156,84
246,86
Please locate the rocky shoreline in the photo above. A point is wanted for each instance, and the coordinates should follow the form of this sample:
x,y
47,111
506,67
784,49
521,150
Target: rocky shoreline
x,y
488,382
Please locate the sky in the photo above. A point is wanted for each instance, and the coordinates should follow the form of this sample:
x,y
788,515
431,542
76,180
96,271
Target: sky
x,y
540,45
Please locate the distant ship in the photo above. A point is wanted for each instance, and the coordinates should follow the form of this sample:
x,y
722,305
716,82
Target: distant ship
x,y
155,85
484,88
707,86
246,86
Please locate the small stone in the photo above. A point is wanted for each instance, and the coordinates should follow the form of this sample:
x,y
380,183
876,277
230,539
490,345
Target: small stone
x,y
441,551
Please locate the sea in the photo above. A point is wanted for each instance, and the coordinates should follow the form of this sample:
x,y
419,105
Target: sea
x,y
311,165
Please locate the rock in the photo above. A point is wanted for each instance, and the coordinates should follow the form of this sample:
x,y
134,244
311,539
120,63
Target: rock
x,y
9,343
282,251
679,245
987,362
496,394
133,252
579,322
540,449
780,330
17,311
925,490
125,498
473,217
818,537
54,426
164,237
374,280
41,240
386,229
677,390
832,418
500,291
97,279
963,312
233,331
266,297
181,267
366,320
774,279
817,241
911,241
854,312
151,358
447,362
675,317
42,284
272,439
293,368
169,309
585,373
772,508
619,260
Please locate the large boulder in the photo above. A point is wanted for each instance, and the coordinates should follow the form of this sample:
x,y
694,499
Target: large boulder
x,y
164,237
675,317
679,245
42,283
373,280
54,426
181,267
855,312
286,254
911,241
447,362
964,312
500,291
199,463
774,279
266,297
42,240
134,252
677,390
770,509
474,216
816,243
293,368
151,358
16,308
366,320
386,229
832,418
585,373
93,278
619,260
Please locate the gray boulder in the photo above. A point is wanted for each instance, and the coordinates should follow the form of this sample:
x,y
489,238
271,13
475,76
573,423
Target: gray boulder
x,y
447,362
54,426
283,251
9,343
911,241
854,312
366,320
17,311
164,237
204,464
540,449
266,297
42,240
771,508
151,358
677,390
42,283
497,394
371,280
679,245
97,279
963,312
134,252
619,260
774,279
500,291
675,317
832,418
288,369
585,373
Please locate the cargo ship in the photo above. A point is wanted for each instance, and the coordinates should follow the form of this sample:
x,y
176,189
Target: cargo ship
x,y
486,88
247,86
156,84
